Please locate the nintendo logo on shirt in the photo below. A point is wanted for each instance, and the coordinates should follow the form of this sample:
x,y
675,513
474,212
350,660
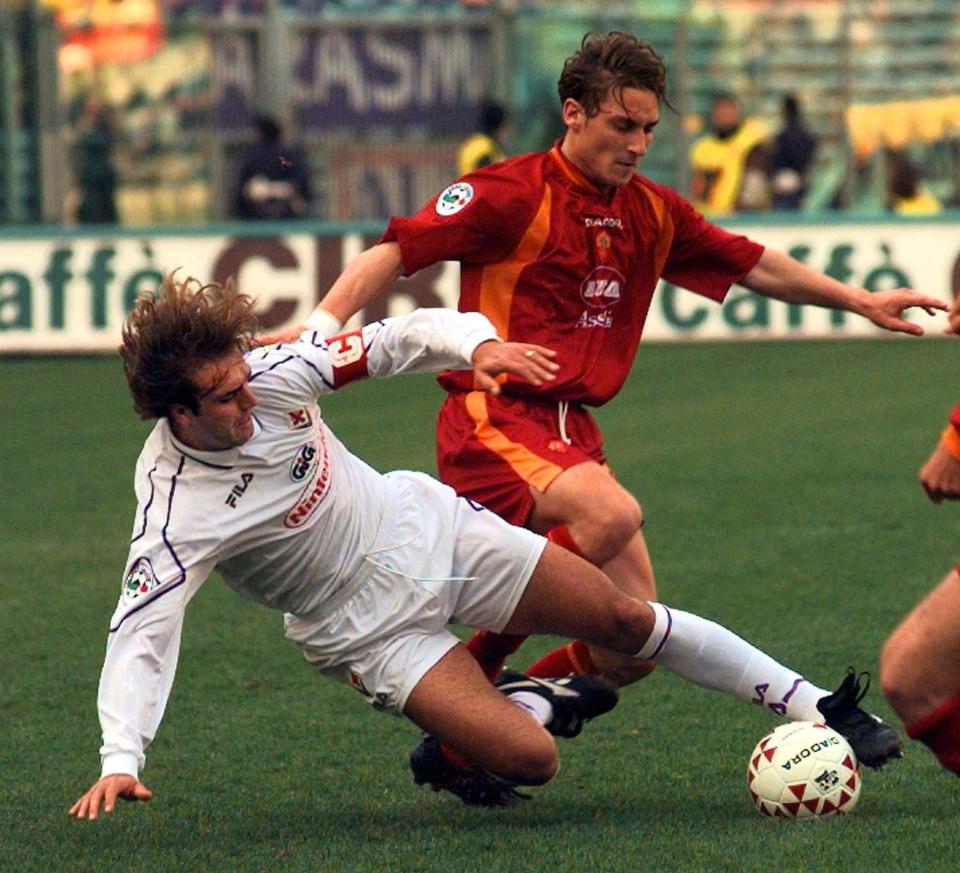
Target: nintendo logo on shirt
x,y
312,496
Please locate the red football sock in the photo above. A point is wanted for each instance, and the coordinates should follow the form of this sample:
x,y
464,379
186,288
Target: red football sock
x,y
491,650
941,732
572,658
561,536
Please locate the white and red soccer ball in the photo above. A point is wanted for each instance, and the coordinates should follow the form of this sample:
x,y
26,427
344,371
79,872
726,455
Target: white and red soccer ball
x,y
803,770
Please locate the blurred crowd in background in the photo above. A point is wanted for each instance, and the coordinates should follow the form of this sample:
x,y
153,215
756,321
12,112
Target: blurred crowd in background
x,y
191,111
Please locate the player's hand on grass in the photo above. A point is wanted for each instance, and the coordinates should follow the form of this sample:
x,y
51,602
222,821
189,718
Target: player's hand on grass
x,y
940,476
534,364
106,791
885,309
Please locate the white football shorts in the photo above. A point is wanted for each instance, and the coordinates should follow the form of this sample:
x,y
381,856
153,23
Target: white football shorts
x,y
438,558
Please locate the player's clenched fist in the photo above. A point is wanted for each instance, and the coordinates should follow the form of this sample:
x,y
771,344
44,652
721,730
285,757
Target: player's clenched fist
x,y
106,791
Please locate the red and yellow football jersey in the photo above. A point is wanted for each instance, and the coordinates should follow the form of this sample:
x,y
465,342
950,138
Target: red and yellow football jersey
x,y
550,259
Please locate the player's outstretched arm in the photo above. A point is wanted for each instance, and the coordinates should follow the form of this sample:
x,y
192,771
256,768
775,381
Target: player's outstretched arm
x,y
106,791
535,364
780,276
364,278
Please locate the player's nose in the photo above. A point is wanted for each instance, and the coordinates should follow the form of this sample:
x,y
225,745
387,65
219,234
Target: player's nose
x,y
247,398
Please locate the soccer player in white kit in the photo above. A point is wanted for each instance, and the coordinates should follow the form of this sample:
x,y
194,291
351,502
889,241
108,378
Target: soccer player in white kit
x,y
242,475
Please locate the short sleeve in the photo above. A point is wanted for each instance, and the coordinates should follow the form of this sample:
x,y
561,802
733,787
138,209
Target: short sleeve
x,y
479,219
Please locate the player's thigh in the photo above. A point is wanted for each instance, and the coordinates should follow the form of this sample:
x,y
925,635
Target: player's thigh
x,y
585,493
920,662
568,596
456,703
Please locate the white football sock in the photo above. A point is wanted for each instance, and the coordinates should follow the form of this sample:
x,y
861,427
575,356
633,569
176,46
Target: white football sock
x,y
539,708
709,655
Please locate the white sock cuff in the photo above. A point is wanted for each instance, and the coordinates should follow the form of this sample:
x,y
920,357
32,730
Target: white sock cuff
x,y
538,708
662,624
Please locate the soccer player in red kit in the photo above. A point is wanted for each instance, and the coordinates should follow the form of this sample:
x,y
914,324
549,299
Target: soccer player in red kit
x,y
564,248
920,662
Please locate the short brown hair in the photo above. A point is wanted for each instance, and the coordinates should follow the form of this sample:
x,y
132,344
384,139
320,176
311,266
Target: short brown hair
x,y
169,334
610,63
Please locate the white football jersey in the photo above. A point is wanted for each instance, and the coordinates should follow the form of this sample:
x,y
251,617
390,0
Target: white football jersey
x,y
287,518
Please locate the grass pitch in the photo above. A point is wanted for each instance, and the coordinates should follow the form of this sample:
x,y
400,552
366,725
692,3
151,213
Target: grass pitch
x,y
778,482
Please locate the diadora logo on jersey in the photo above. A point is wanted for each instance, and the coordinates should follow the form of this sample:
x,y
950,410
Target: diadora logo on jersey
x,y
303,462
299,419
317,485
602,287
140,580
602,222
453,198
238,490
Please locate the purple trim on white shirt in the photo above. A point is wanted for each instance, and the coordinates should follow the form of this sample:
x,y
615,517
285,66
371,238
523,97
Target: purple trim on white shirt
x,y
146,508
163,533
311,365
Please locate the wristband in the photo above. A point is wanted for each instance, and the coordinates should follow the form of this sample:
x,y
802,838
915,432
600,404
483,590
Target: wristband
x,y
325,323
950,440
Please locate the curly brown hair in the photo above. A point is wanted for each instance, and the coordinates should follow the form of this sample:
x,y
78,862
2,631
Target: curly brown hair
x,y
170,334
608,64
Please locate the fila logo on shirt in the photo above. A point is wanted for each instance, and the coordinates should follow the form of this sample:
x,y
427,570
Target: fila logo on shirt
x,y
238,490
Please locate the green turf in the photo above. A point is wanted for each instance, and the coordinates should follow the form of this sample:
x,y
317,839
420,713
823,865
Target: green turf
x,y
778,482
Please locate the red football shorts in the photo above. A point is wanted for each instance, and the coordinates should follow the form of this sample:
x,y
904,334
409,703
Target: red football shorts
x,y
495,449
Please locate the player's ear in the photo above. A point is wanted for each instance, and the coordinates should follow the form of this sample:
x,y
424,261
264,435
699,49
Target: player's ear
x,y
180,415
574,115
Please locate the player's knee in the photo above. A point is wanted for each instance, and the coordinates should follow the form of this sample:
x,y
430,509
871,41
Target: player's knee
x,y
896,675
534,762
615,521
632,624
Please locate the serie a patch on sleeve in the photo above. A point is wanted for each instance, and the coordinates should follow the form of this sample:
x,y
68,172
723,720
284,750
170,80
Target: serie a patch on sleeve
x,y
453,198
141,579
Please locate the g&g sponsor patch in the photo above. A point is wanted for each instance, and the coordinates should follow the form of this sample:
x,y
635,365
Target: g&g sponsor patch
x,y
453,198
140,580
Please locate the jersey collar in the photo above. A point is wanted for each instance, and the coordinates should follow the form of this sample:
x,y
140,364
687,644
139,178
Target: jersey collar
x,y
224,459
577,177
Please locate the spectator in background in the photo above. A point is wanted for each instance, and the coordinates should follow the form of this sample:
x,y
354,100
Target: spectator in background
x,y
729,164
274,178
94,173
791,157
905,192
486,145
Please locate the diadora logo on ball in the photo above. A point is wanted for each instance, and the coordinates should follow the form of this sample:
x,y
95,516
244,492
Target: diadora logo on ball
x,y
602,287
302,462
453,198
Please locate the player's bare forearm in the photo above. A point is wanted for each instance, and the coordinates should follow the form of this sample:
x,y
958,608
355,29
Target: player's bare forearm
x,y
779,276
364,279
